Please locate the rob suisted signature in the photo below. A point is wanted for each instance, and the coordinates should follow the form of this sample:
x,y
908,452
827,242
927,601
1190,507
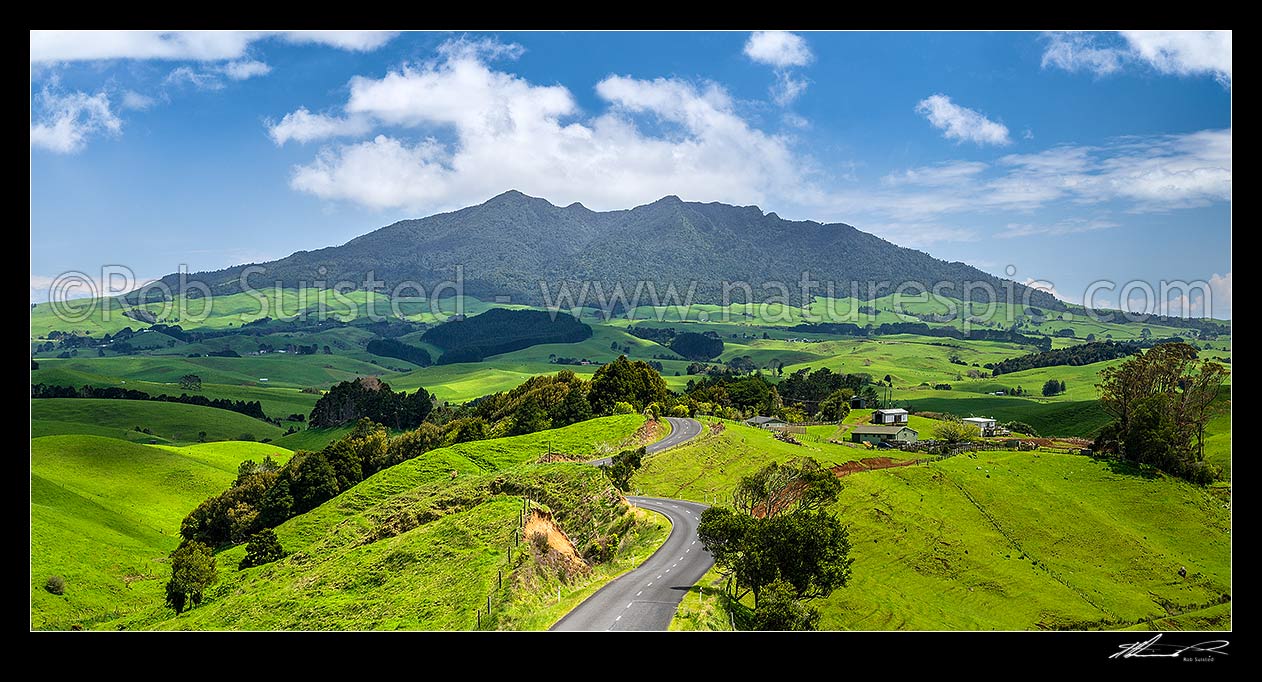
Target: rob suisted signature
x,y
1153,649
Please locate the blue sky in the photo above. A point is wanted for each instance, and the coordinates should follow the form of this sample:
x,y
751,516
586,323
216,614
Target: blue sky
x,y
1069,157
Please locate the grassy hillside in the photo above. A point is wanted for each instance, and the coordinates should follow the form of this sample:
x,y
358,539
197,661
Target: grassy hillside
x,y
1000,540
169,422
105,513
293,371
348,570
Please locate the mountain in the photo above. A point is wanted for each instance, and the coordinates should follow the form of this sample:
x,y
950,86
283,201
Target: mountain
x,y
512,243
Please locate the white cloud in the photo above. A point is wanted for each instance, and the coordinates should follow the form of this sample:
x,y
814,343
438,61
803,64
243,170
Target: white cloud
x,y
1073,51
303,126
355,41
1189,301
64,122
244,69
1057,229
480,131
943,174
961,123
787,88
211,77
1134,174
200,79
62,46
778,48
1182,53
782,50
1220,289
136,101
45,289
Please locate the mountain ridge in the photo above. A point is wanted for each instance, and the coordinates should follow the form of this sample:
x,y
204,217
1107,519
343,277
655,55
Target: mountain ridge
x,y
513,243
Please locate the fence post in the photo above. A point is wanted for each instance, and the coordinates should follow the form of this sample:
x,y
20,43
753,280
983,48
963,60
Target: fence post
x,y
479,619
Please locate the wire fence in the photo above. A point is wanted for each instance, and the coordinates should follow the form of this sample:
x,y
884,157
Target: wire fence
x,y
513,548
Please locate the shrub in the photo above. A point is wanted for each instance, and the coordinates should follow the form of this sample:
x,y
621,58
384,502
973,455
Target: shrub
x,y
623,408
263,548
55,584
539,540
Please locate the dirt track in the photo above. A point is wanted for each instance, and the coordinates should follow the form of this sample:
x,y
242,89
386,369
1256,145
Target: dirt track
x,y
869,464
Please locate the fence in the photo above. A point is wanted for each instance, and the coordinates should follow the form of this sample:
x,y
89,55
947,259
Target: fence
x,y
484,617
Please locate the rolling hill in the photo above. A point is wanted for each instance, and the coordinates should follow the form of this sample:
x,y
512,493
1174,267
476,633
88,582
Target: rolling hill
x,y
996,540
105,513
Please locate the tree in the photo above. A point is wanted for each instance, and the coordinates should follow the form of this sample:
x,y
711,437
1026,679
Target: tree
x,y
1053,387
192,571
800,484
622,466
954,430
777,531
695,346
263,548
625,381
573,409
191,382
528,418
836,406
1161,400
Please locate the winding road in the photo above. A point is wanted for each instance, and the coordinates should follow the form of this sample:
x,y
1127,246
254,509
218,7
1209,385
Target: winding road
x,y
647,597
682,429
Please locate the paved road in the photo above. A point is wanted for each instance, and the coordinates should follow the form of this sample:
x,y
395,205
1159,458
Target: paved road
x,y
646,598
681,429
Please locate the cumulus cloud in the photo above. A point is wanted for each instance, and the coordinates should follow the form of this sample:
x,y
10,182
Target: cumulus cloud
x,y
244,69
1182,53
961,123
1188,299
778,48
64,46
477,131
64,122
303,126
783,50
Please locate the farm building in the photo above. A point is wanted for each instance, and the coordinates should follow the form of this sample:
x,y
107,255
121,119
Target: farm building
x,y
765,422
984,424
866,433
895,415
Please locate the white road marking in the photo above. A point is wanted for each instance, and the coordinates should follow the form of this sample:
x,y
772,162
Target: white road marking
x,y
694,542
639,593
618,618
687,550
629,604
660,577
650,584
668,570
